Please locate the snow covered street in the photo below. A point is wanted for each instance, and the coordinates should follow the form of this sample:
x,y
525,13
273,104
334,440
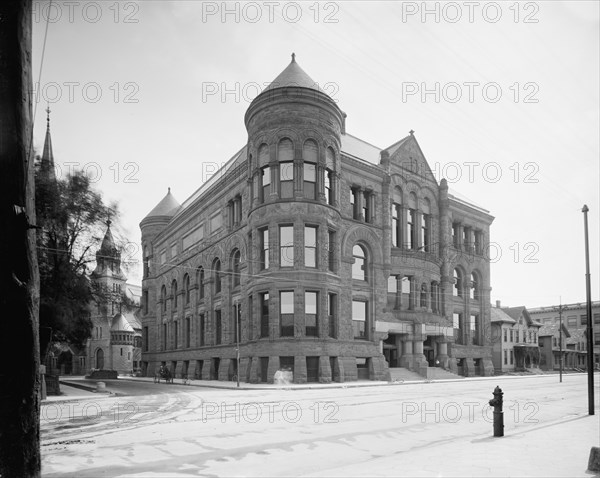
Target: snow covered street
x,y
418,429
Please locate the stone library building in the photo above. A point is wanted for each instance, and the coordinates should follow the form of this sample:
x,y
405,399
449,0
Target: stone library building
x,y
314,252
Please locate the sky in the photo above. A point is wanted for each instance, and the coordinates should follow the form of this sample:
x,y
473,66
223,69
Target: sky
x,y
503,98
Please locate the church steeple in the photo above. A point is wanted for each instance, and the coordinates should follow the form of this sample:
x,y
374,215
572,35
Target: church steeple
x,y
47,164
108,257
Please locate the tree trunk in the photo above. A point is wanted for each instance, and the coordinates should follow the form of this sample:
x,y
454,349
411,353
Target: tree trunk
x,y
19,276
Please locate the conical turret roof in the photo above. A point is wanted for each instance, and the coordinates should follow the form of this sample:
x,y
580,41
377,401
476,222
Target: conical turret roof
x,y
108,247
47,162
293,75
168,206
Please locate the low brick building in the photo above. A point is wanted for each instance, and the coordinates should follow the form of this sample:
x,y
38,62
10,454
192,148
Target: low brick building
x,y
319,253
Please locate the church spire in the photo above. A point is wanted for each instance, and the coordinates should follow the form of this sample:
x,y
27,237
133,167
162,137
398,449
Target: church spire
x,y
47,156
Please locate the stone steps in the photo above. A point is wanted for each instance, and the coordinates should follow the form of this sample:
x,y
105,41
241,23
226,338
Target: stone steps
x,y
436,373
399,374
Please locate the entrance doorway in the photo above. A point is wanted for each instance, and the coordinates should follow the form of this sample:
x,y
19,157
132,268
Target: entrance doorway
x,y
312,369
429,346
99,359
390,350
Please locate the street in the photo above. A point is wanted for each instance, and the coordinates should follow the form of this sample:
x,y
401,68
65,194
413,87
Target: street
x,y
420,429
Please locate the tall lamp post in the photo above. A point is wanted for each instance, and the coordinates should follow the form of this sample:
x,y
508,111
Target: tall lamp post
x,y
590,329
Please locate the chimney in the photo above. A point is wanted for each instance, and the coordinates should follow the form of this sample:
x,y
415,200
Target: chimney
x,y
498,304
344,115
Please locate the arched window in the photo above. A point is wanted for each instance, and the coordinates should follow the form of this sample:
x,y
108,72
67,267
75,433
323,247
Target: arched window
x,y
163,298
235,266
174,293
200,280
458,283
475,287
285,150
217,274
263,155
186,289
359,268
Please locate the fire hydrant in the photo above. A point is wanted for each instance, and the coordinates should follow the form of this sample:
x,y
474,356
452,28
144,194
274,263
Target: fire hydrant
x,y
496,402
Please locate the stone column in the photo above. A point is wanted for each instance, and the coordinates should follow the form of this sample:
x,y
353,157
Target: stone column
x,y
359,204
273,367
254,364
324,370
205,372
404,226
243,372
407,357
442,354
300,369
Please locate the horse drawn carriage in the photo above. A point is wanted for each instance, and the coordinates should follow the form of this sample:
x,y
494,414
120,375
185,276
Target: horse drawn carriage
x,y
163,373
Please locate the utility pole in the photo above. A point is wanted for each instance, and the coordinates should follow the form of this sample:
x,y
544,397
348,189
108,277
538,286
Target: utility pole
x,y
590,327
559,309
19,275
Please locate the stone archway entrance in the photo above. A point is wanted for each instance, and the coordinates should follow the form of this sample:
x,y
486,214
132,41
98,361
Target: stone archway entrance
x,y
391,350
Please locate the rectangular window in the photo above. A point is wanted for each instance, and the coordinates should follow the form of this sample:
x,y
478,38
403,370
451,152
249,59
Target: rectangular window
x,y
572,321
286,246
202,330
175,334
583,320
478,243
265,183
506,357
506,335
164,337
145,301
425,231
474,328
310,180
264,314
173,250
457,323
286,180
596,338
311,299
286,314
163,257
512,357
354,203
596,318
359,319
146,339
366,209
331,251
511,336
263,235
396,225
188,332
329,186
218,327
332,314
310,246
412,229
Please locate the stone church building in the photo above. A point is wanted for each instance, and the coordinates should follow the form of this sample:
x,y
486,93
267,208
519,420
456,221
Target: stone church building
x,y
318,253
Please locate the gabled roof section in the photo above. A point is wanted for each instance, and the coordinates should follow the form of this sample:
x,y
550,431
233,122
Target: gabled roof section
x,y
552,330
294,76
167,207
517,312
499,316
407,153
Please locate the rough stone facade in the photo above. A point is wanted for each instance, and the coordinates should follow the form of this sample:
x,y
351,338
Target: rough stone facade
x,y
339,259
